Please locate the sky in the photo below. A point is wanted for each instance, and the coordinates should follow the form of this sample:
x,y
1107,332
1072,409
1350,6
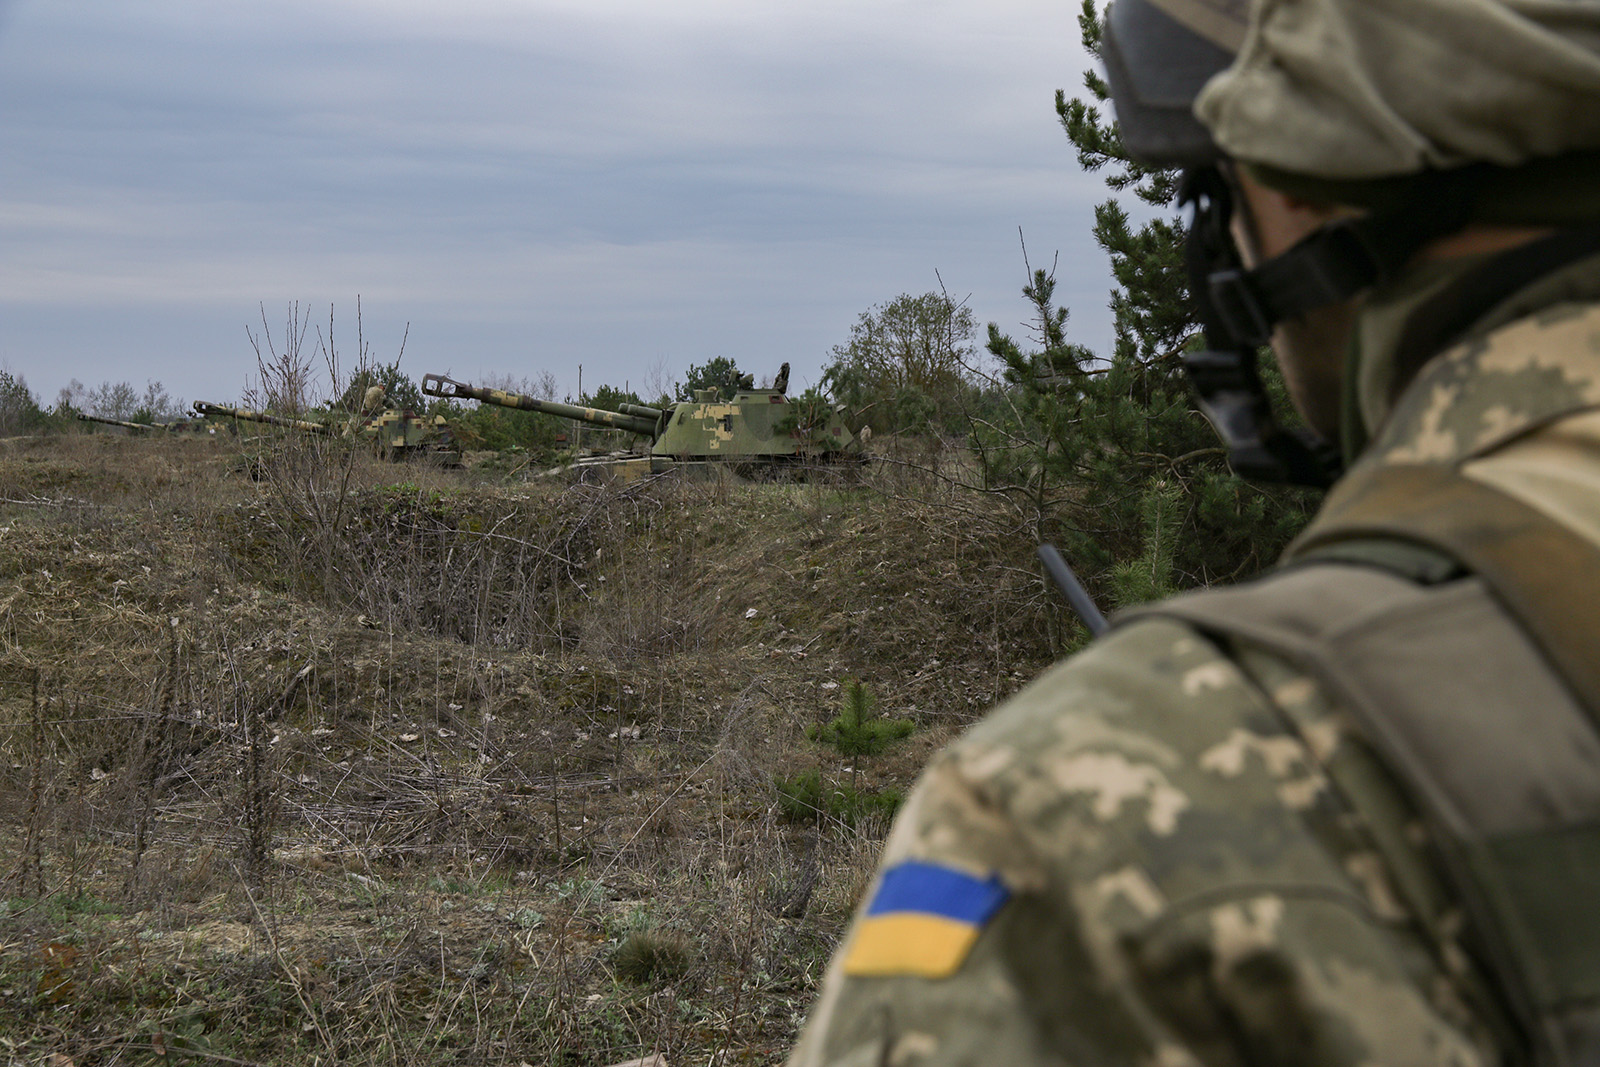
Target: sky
x,y
517,186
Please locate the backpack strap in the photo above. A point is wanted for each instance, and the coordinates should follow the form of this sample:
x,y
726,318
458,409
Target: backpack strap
x,y
1545,575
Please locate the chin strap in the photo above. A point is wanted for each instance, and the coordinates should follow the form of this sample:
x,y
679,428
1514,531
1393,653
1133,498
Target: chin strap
x,y
1239,308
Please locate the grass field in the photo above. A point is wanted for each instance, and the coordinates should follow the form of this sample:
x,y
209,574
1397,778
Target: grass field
x,y
357,762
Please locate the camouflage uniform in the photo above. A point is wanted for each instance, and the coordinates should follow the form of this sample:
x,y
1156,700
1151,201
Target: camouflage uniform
x,y
1181,877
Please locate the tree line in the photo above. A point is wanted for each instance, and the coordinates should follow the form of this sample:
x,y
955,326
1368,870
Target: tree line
x,y
21,412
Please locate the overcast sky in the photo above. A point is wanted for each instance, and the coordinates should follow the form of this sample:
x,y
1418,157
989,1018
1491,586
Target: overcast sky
x,y
531,185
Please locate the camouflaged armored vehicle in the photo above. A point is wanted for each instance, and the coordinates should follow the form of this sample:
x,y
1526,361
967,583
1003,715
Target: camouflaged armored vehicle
x,y
759,433
402,433
396,434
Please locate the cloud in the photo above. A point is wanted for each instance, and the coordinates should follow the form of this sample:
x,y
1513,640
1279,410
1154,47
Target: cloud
x,y
587,173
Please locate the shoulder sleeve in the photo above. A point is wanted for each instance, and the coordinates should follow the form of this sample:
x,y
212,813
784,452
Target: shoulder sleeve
x,y
1132,861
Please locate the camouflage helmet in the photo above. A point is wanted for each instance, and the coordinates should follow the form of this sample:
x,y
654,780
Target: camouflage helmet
x,y
1348,99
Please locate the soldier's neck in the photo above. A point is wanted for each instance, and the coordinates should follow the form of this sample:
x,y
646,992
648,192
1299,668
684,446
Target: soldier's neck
x,y
1374,374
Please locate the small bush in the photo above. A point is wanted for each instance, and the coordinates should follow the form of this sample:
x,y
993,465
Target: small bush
x,y
853,733
804,797
651,955
800,796
851,806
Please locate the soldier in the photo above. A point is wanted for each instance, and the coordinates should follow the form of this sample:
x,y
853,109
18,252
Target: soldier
x,y
374,400
1346,813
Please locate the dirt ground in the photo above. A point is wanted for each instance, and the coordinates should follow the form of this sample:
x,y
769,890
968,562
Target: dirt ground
x,y
317,759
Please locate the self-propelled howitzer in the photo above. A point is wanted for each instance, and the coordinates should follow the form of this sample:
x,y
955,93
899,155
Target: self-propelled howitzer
x,y
760,432
395,434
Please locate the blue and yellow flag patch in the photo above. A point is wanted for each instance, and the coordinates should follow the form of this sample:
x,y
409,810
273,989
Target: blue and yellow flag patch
x,y
922,921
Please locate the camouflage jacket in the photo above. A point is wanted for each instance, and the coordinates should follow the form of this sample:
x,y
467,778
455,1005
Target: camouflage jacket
x,y
1149,854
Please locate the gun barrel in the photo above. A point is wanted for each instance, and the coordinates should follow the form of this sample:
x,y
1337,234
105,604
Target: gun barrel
x,y
141,426
246,415
642,411
450,389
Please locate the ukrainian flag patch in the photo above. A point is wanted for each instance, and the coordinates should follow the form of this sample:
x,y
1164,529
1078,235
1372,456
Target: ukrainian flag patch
x,y
922,921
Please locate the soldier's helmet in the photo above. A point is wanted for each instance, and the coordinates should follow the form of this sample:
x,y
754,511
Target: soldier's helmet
x,y
1159,55
372,401
1356,94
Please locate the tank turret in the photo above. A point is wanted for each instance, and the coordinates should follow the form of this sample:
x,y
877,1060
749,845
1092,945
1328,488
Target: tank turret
x,y
400,433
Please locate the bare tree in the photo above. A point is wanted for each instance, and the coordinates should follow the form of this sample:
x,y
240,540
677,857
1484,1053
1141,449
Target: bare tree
x,y
658,380
283,365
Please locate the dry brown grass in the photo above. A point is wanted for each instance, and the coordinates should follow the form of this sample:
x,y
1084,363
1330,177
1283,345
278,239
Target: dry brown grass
x,y
378,764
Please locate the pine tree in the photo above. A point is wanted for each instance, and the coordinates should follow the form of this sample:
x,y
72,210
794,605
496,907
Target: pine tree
x,y
719,373
399,391
855,733
1034,449
19,411
1122,468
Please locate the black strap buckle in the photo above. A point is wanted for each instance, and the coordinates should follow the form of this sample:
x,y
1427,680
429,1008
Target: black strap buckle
x,y
1238,306
1232,399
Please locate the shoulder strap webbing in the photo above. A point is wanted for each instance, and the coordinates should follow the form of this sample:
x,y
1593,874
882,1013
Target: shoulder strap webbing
x,y
1545,575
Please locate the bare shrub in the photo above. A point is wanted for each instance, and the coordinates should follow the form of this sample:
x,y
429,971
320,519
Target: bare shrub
x,y
31,870
149,769
259,797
